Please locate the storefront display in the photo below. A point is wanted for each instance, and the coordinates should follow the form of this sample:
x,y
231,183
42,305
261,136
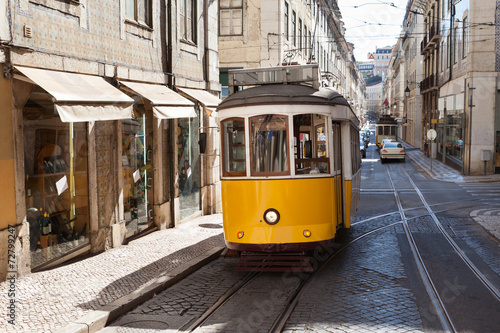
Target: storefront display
x,y
56,183
188,166
137,137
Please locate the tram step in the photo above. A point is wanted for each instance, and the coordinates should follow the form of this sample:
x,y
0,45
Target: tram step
x,y
274,262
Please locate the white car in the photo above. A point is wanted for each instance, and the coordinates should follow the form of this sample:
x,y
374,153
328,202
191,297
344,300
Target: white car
x,y
392,151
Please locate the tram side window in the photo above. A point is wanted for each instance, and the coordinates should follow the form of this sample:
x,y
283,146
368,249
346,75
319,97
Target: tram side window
x,y
387,130
234,147
393,130
380,130
269,145
310,144
355,154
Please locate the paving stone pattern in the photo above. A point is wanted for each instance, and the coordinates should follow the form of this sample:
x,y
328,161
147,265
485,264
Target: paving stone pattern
x,y
360,292
195,294
49,300
475,237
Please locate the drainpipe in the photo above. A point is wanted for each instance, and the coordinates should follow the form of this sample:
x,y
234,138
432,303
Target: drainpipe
x,y
206,64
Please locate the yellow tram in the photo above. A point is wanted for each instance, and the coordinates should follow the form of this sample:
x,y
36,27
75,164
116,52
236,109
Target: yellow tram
x,y
290,160
386,128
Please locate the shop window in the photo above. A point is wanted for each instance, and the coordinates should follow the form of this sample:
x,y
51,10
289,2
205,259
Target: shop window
x,y
137,140
234,147
56,182
167,158
269,148
310,144
188,166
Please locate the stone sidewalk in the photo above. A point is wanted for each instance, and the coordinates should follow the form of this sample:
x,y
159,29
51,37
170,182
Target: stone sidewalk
x,y
80,297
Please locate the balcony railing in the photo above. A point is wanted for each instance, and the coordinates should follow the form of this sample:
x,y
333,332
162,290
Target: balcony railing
x,y
428,83
431,39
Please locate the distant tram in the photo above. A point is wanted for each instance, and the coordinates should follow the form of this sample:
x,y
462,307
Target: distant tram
x,y
290,160
386,128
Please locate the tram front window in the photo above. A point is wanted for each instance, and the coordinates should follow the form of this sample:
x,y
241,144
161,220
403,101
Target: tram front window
x,y
310,140
269,144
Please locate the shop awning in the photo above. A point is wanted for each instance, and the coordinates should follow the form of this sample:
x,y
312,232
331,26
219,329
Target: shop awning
x,y
79,97
209,101
166,103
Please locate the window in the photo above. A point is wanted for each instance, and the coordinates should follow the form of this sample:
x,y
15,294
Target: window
x,y
56,181
310,43
233,148
455,45
300,34
269,145
448,51
294,28
139,10
465,35
188,20
286,21
310,144
441,50
231,17
306,49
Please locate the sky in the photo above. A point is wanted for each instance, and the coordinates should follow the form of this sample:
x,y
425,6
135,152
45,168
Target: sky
x,y
372,23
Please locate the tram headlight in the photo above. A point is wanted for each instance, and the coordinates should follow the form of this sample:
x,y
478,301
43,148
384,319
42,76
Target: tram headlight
x,y
271,216
307,233
240,234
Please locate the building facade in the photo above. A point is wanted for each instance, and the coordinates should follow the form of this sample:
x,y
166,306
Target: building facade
x,y
410,44
381,61
460,84
103,104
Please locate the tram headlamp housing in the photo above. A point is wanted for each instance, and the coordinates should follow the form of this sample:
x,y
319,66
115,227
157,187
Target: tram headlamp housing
x,y
271,216
307,233
240,234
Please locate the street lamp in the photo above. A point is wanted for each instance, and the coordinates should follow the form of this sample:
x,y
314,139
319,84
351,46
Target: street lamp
x,y
407,95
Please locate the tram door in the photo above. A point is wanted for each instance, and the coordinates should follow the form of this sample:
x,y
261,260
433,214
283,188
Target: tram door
x,y
337,165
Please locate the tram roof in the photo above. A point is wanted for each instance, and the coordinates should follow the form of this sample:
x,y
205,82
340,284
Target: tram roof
x,y
283,94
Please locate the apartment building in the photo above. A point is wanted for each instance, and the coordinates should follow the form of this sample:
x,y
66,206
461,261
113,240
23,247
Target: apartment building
x,y
103,103
460,83
410,45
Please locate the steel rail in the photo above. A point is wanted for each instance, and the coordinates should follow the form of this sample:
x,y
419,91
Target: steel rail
x,y
436,300
281,320
484,280
220,302
415,208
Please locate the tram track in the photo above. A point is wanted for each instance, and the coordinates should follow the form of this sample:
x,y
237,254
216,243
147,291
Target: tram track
x,y
430,286
421,207
484,280
306,278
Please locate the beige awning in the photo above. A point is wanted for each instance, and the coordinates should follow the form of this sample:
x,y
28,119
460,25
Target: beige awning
x,y
166,103
79,97
209,101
